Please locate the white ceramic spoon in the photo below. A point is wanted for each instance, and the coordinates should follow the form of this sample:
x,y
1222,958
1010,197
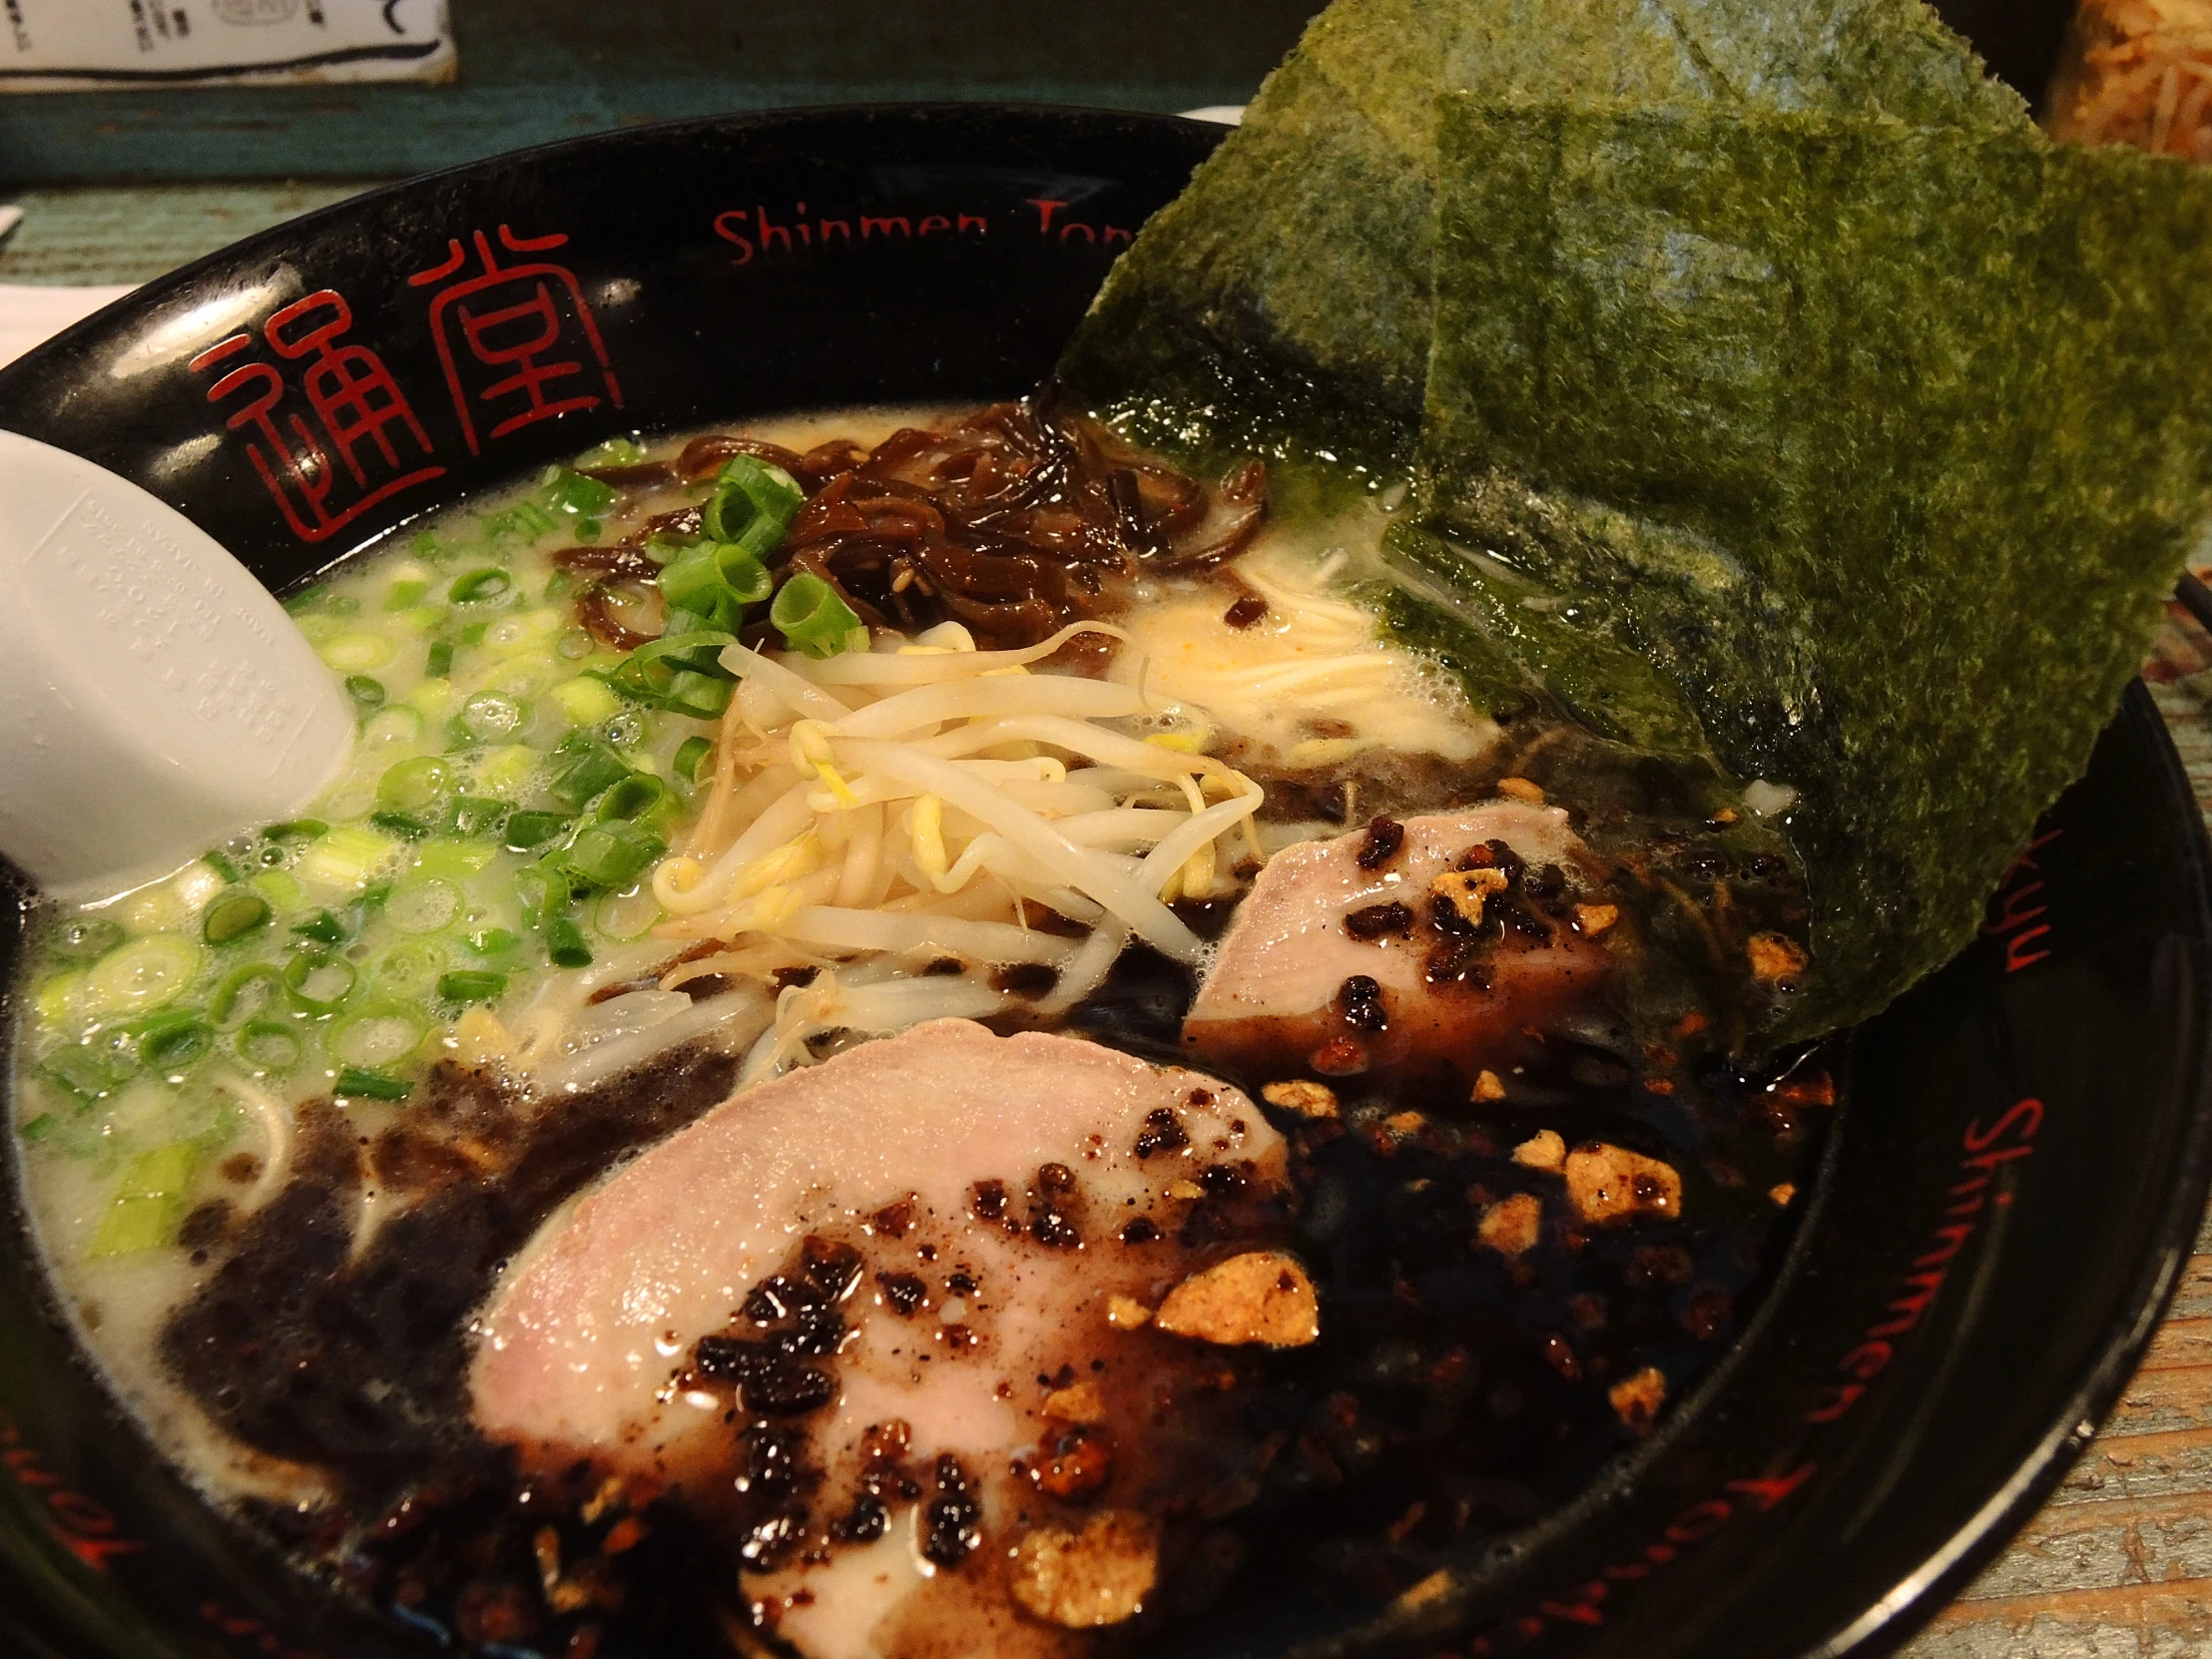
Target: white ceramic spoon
x,y
154,697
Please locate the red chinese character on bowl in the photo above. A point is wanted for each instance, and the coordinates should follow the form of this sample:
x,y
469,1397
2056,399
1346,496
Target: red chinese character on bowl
x,y
362,417
517,340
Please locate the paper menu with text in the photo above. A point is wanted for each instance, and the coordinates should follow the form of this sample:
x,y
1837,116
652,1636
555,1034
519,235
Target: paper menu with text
x,y
74,45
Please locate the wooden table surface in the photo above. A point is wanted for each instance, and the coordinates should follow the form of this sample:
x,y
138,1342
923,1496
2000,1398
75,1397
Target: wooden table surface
x,y
2119,1562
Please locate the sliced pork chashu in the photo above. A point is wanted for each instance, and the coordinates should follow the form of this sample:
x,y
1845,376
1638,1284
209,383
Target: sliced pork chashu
x,y
888,1322
1427,945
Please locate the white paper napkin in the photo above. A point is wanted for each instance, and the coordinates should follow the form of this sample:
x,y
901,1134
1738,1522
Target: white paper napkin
x,y
30,315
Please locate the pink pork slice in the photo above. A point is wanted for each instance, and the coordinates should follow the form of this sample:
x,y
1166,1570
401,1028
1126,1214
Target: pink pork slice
x,y
1273,1002
587,1348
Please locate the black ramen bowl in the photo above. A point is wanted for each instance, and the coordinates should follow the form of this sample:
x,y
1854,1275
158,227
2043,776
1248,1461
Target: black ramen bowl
x,y
1999,1213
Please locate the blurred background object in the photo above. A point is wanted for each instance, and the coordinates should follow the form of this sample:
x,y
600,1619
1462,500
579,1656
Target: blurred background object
x,y
534,71
2137,71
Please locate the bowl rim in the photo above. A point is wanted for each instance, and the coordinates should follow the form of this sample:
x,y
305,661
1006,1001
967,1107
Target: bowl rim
x,y
2070,1423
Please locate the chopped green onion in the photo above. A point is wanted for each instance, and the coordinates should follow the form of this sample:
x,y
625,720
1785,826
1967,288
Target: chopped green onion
x,y
421,785
268,1044
713,581
405,595
400,823
89,1071
246,992
233,916
172,1040
812,617
525,522
410,967
323,927
474,814
366,691
689,754
611,854
489,582
565,944
439,663
615,451
634,799
149,1199
526,831
39,1128
315,982
379,1035
588,530
455,860
422,906
592,767
586,700
492,942
569,491
347,858
472,985
296,829
86,940
491,717
364,1084
306,599
144,974
752,502
542,890
700,696
215,861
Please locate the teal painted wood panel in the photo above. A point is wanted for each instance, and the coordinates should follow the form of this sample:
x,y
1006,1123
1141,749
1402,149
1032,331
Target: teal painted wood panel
x,y
533,71
114,233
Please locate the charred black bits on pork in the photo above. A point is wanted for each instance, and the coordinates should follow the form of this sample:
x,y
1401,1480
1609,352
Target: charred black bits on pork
x,y
768,1541
816,1332
771,1300
767,1379
1444,917
783,978
893,1219
832,1266
1375,921
1383,837
768,1463
943,967
1140,1232
953,1523
789,1391
1163,1131
903,1293
987,1199
1052,1205
1359,1001
1025,978
1459,963
1222,1180
961,1282
866,1521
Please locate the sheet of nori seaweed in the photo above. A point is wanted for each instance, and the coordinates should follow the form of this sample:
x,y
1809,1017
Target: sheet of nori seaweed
x,y
1866,436
1284,294
1840,438
1282,302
